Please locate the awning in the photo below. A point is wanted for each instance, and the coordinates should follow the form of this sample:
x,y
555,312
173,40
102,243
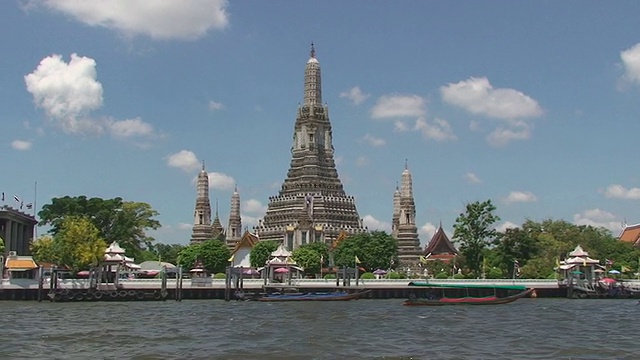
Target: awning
x,y
20,264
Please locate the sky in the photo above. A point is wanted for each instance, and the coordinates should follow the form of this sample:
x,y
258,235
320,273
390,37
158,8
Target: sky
x,y
533,105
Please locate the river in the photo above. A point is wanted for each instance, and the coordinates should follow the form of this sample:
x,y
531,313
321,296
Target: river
x,y
363,329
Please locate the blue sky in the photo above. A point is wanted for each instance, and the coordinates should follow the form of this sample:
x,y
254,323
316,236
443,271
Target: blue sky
x,y
534,105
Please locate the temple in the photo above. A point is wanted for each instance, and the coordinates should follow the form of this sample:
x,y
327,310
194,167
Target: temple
x,y
312,205
403,224
440,247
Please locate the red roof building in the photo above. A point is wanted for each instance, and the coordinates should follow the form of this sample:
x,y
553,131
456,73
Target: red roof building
x,y
440,247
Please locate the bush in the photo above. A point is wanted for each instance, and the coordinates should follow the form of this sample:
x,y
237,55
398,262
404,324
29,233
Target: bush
x,y
329,276
367,276
442,275
219,276
459,276
395,275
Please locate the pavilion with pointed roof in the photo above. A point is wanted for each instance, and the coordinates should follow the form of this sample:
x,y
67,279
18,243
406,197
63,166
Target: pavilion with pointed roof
x,y
440,247
579,265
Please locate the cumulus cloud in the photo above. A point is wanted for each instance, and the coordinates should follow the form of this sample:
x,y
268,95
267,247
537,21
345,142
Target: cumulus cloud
x,y
472,178
254,206
427,231
69,92
631,62
184,160
355,95
478,96
520,196
506,225
213,105
394,106
620,192
374,141
438,129
598,218
165,19
221,181
374,224
65,91
21,145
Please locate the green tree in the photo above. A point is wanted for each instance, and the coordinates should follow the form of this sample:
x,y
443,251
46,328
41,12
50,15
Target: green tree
x,y
77,245
116,220
161,252
1,245
374,250
214,255
514,244
261,252
474,231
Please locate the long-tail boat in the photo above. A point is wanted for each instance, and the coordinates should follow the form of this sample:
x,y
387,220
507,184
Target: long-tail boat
x,y
435,294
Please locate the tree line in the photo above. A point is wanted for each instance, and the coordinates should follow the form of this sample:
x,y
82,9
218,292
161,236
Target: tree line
x,y
81,229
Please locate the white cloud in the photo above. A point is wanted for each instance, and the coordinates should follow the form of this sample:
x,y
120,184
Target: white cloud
x,y
598,218
620,192
478,96
472,178
130,128
438,129
362,161
506,225
374,224
520,196
374,141
221,181
184,160
165,19
254,206
355,95
68,92
21,145
400,126
249,221
184,226
393,106
631,62
427,231
502,136
213,105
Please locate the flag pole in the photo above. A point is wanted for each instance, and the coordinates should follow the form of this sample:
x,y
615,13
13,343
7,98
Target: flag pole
x,y
35,202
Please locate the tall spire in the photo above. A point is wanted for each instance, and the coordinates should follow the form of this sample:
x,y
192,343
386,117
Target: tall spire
x,y
404,228
312,205
407,183
312,81
202,214
234,230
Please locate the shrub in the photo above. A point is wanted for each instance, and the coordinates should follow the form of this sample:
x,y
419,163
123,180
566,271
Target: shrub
x,y
442,275
329,276
367,276
219,276
395,275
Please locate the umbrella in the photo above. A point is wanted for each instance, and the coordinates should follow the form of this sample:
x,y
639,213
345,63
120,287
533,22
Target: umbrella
x,y
281,270
614,271
250,272
380,272
578,272
607,280
83,273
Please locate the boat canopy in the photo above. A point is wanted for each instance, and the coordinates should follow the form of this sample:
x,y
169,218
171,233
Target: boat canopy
x,y
468,286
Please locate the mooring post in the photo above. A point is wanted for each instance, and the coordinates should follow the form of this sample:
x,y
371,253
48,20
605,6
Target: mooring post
x,y
40,281
227,283
179,284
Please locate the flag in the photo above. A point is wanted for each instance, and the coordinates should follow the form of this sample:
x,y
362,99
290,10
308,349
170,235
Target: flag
x,y
423,260
516,267
29,205
557,262
3,196
231,258
321,259
21,204
624,269
16,198
357,260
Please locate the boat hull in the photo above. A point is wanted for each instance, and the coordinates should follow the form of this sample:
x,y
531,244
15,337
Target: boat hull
x,y
487,300
335,296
